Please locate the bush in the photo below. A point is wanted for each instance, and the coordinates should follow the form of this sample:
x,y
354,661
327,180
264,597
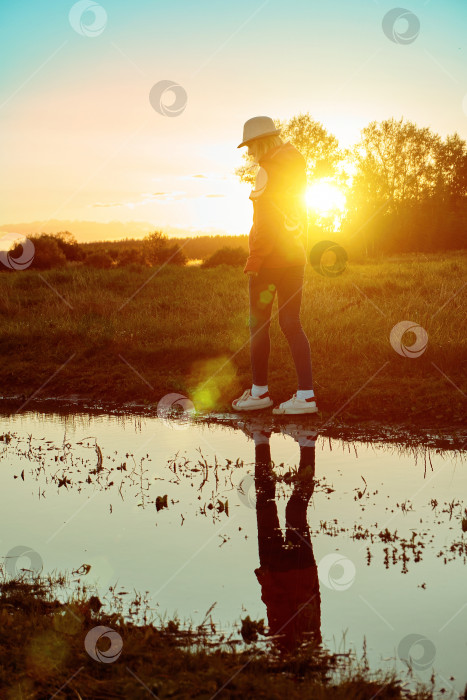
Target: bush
x,y
47,253
130,256
50,250
226,256
100,260
174,255
69,246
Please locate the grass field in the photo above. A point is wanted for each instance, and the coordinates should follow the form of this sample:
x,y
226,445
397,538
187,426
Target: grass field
x,y
136,334
42,643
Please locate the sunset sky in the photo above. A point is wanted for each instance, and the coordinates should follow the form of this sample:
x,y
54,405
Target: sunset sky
x,y
81,140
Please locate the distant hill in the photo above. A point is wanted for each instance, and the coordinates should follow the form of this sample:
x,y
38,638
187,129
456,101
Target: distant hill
x,y
88,231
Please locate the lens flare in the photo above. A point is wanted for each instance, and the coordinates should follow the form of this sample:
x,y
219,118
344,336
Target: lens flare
x,y
211,380
325,198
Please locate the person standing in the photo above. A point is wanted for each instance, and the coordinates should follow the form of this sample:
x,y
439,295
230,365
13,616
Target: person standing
x,y
276,264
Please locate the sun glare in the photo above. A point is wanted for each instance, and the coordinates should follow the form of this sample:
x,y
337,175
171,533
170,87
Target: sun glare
x,y
325,198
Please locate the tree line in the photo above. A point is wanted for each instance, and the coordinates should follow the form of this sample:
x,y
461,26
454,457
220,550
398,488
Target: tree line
x,y
53,250
405,189
405,186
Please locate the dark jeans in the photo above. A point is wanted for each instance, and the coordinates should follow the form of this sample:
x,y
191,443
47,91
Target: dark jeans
x,y
294,551
288,282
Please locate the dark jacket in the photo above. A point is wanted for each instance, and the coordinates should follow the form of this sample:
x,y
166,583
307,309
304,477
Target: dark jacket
x,y
293,602
278,235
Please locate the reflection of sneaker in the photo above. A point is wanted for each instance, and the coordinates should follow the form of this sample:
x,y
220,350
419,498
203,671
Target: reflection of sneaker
x,y
297,406
300,433
247,402
256,429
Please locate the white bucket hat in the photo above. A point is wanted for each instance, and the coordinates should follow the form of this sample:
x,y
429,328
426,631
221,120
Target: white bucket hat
x,y
257,127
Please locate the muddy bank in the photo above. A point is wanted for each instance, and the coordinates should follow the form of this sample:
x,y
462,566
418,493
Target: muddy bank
x,y
410,431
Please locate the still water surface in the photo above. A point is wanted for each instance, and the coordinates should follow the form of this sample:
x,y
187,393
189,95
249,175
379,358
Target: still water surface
x,y
355,544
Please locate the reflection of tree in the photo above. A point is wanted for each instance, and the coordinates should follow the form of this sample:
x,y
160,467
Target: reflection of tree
x,y
288,572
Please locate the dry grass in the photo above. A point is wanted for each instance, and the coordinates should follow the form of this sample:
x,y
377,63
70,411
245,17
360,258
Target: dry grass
x,y
186,330
43,656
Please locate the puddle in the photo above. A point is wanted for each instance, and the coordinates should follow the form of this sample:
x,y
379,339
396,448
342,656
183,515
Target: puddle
x,y
360,545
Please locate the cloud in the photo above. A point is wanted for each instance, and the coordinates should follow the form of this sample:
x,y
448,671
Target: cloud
x,y
168,196
205,176
147,197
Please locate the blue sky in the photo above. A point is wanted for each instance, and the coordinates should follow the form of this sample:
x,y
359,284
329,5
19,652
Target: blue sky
x,y
81,140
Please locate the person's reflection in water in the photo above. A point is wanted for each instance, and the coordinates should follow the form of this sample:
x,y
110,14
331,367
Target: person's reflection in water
x,y
288,572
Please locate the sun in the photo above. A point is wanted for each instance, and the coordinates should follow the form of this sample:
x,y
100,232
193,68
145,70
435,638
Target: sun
x,y
325,198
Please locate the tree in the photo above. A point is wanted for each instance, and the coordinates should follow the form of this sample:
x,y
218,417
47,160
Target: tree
x,y
451,182
396,163
157,250
323,159
408,183
154,244
319,148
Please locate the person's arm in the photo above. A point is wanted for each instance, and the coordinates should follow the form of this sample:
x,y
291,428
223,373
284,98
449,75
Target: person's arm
x,y
261,234
260,247
248,269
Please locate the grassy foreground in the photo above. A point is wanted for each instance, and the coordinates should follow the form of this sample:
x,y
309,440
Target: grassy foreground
x,y
42,645
137,334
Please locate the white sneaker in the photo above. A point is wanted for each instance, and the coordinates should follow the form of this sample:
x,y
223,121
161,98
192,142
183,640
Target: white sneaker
x,y
297,406
247,402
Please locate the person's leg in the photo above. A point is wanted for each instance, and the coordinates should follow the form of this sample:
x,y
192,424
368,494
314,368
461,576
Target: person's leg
x,y
289,298
270,540
262,292
297,530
